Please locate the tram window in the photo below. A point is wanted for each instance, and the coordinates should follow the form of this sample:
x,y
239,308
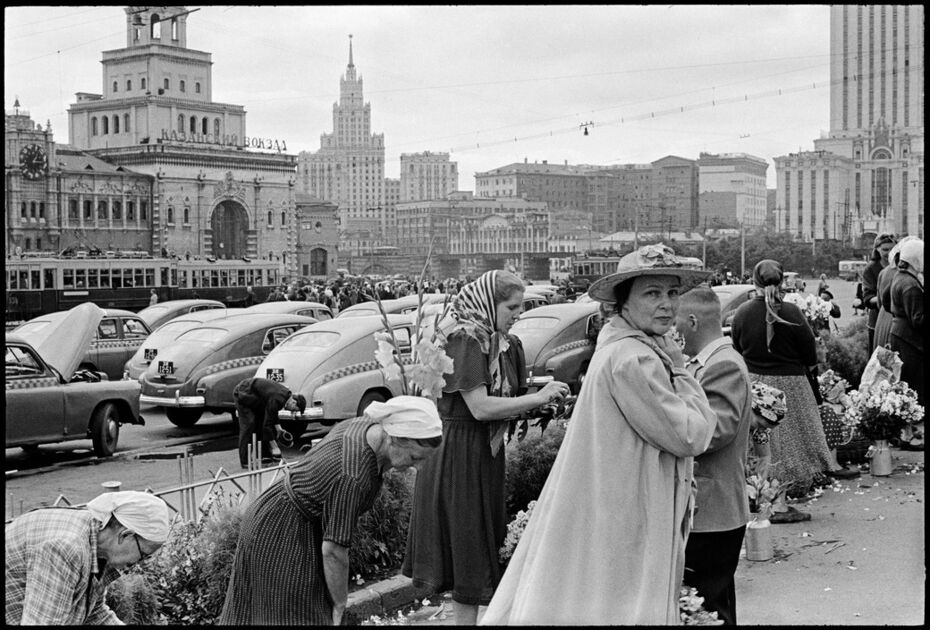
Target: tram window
x,y
174,277
35,278
195,279
80,278
117,278
12,280
241,276
150,277
23,279
127,278
163,276
140,277
68,282
50,279
224,278
105,278
93,278
214,279
258,279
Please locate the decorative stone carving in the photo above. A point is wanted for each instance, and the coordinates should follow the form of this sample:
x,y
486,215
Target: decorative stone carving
x,y
229,188
81,186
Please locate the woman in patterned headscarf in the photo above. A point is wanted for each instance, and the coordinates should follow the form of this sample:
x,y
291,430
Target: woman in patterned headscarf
x,y
778,345
459,514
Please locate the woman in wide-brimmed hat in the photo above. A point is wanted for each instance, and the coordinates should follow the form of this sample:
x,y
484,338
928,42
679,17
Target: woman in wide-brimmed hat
x,y
617,500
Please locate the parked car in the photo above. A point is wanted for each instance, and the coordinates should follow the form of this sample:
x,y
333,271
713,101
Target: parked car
x,y
167,333
558,341
406,304
792,282
731,297
333,364
163,312
310,309
198,371
119,334
534,300
48,399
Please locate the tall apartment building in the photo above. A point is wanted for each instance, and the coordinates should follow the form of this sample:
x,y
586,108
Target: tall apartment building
x,y
731,190
874,150
427,175
348,170
674,202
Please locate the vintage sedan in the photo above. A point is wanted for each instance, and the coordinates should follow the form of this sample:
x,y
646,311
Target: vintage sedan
x,y
333,364
119,334
162,312
406,304
49,400
558,341
199,370
731,297
167,333
310,309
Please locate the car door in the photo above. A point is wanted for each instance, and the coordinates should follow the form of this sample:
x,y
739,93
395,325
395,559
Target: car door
x,y
105,348
35,410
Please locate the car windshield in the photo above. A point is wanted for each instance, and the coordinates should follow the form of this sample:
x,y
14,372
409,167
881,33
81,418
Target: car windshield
x,y
202,335
20,362
311,340
535,323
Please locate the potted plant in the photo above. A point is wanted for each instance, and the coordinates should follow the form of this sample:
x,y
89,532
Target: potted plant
x,y
879,413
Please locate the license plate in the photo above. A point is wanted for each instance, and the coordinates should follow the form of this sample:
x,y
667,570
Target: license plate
x,y
165,367
275,374
149,353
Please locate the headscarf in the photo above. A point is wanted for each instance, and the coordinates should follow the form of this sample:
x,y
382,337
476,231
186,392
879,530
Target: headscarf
x,y
140,512
407,417
767,276
880,240
912,252
896,250
475,312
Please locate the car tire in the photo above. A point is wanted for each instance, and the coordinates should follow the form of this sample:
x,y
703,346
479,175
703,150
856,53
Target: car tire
x,y
30,448
183,416
104,429
367,399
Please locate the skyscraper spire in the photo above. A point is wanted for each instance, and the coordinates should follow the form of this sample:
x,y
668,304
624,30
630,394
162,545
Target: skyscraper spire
x,y
350,51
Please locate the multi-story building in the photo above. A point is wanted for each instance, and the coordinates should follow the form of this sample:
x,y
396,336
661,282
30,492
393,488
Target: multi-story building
x,y
216,192
874,150
348,170
674,203
427,175
57,197
317,237
731,190
392,193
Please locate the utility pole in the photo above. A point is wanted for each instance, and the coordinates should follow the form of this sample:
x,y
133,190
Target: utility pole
x,y
704,243
636,228
742,250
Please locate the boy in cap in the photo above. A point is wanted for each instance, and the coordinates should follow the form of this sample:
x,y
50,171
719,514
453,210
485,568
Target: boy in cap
x,y
59,561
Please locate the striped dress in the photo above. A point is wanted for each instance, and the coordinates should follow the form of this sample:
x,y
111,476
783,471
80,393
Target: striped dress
x,y
277,575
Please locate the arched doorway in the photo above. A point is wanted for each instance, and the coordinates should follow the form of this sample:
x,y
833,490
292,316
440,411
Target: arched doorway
x,y
229,225
318,266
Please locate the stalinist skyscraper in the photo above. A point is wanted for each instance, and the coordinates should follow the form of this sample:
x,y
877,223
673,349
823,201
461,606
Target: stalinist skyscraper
x,y
348,170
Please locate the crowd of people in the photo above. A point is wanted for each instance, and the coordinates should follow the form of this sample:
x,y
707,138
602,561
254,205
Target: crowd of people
x,y
648,487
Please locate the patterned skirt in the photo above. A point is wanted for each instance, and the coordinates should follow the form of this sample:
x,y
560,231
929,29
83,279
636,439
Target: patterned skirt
x,y
832,426
798,443
277,576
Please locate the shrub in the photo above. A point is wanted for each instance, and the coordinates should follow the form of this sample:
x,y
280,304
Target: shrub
x,y
528,466
133,600
847,352
380,540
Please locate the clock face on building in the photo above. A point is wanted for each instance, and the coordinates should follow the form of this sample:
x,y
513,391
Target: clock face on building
x,y
32,161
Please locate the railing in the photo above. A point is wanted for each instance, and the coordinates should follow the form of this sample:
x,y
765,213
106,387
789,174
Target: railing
x,y
191,499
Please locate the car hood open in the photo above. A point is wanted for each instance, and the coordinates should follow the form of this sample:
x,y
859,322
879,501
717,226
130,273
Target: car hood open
x,y
65,340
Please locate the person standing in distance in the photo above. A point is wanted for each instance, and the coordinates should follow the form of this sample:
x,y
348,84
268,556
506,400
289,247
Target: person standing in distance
x,y
881,247
722,504
258,401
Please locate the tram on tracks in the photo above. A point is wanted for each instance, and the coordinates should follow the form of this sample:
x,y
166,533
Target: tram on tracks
x,y
36,285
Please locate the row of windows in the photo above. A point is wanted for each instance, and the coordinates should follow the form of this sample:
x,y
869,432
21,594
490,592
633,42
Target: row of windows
x,y
35,209
104,210
226,278
166,85
204,125
103,126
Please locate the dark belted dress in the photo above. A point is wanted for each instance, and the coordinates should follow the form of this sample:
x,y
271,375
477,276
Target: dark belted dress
x,y
277,576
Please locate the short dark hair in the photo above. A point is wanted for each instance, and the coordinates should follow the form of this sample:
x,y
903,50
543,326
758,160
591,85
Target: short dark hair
x,y
301,401
432,442
622,293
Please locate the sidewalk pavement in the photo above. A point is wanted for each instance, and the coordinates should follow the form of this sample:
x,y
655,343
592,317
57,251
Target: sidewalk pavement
x,y
858,561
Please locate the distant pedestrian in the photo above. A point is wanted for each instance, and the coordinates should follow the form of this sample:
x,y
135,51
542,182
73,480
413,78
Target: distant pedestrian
x,y
881,247
823,285
153,300
59,561
292,559
250,298
721,507
258,401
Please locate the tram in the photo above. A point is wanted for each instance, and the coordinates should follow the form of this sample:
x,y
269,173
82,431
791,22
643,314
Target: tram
x,y
587,269
39,285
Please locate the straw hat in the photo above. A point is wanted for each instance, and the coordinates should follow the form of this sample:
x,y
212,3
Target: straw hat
x,y
650,260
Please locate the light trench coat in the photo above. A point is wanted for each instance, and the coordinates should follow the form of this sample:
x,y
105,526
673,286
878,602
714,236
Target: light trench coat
x,y
606,540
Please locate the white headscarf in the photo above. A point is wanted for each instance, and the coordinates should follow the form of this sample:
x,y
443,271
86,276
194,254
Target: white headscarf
x,y
407,417
140,512
912,252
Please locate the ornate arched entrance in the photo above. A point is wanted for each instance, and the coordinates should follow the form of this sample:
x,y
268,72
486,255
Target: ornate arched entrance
x,y
229,225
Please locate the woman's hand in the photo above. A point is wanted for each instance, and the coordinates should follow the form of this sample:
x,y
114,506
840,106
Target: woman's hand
x,y
554,390
672,349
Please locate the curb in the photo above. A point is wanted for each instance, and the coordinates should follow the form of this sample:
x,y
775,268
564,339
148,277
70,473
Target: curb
x,y
382,598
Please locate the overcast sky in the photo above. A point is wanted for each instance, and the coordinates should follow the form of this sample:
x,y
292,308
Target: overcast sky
x,y
491,85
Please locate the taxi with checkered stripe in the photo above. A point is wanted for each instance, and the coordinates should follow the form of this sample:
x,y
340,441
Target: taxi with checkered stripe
x,y
332,363
50,399
558,341
199,370
119,334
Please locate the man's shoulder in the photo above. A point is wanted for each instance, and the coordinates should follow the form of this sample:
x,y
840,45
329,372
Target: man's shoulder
x,y
725,357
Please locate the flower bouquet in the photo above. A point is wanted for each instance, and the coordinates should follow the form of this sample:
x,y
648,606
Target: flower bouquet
x,y
691,609
769,406
881,412
833,388
515,530
816,310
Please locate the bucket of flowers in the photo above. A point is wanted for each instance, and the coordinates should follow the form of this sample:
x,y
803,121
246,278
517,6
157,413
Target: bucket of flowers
x,y
879,413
